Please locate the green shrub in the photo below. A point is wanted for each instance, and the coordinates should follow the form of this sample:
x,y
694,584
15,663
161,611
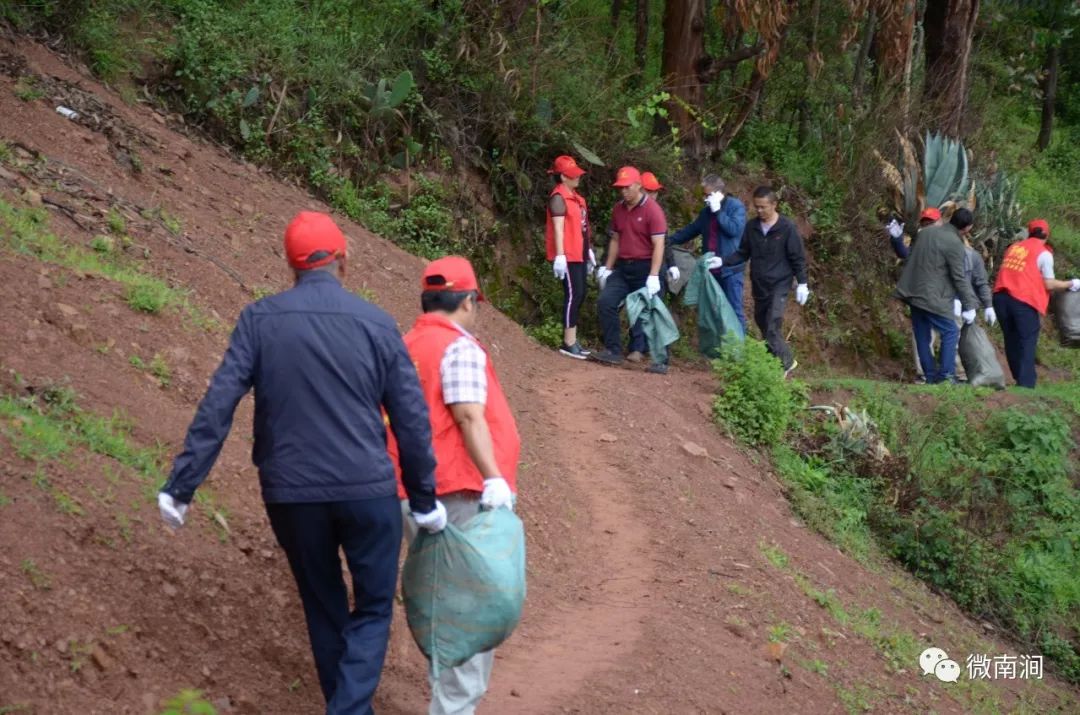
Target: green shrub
x,y
147,296
549,333
755,401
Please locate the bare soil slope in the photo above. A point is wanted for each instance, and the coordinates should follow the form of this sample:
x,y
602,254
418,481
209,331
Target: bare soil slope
x,y
667,573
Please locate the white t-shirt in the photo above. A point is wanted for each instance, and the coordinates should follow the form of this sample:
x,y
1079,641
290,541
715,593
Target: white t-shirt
x,y
1045,262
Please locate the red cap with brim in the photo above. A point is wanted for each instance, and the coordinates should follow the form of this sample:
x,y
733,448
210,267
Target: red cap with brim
x,y
930,214
627,175
567,166
1036,225
649,182
312,239
452,273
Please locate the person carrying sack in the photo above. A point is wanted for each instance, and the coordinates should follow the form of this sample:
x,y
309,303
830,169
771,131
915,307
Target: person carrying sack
x,y
474,435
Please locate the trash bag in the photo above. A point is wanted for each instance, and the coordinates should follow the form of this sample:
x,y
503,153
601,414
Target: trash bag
x,y
656,322
684,260
1067,318
464,587
717,323
979,358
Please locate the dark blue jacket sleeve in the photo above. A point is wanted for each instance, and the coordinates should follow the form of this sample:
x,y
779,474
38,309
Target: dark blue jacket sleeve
x,y
687,233
732,218
214,416
408,413
898,246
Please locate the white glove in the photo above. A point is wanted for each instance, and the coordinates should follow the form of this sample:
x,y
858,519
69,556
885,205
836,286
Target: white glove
x,y
713,263
496,493
968,316
172,511
990,316
1075,285
802,293
434,521
713,200
602,274
957,309
591,265
673,274
559,266
895,228
652,284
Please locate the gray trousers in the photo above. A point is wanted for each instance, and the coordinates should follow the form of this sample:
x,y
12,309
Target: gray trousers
x,y
458,690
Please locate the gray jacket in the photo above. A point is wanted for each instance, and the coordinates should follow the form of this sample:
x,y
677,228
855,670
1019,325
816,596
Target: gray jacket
x,y
975,270
933,274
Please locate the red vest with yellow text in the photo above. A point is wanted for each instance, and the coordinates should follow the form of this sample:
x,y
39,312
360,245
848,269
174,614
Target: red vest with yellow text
x,y
1019,274
427,342
574,226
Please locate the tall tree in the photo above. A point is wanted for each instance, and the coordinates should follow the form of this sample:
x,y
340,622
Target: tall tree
x,y
950,29
641,35
684,48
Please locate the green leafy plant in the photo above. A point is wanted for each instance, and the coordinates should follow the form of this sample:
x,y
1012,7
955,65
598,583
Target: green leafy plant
x,y
188,702
755,401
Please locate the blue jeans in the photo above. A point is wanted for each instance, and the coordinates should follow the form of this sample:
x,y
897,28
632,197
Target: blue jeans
x,y
349,647
921,324
732,285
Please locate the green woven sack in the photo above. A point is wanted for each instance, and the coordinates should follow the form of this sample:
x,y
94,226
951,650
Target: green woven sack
x,y
465,586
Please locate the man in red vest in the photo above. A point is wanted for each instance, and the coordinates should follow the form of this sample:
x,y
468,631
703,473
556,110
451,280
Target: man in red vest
x,y
568,247
1021,295
474,435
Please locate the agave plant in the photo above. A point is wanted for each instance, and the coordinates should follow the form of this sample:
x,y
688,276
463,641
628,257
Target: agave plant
x,y
940,180
999,219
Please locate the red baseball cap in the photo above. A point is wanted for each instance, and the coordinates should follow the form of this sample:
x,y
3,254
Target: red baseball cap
x,y
1039,225
627,175
450,273
312,239
567,166
930,214
649,182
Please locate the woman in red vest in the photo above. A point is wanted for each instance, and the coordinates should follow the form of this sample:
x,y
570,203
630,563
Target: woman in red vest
x,y
568,247
1021,295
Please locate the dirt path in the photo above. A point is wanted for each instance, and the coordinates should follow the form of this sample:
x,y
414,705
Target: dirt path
x,y
667,573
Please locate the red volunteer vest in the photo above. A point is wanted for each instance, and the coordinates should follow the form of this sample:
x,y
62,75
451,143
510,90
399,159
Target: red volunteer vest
x,y
574,226
427,342
1020,276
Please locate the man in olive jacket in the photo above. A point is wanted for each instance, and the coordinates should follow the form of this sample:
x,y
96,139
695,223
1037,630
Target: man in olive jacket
x,y
933,277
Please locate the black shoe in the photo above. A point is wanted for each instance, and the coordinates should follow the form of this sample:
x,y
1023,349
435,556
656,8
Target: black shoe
x,y
657,368
575,351
607,357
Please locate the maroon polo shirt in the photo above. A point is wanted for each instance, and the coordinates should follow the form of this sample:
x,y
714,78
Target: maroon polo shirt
x,y
636,226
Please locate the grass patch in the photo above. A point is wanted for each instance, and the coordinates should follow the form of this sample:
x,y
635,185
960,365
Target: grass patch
x,y
37,577
27,90
25,231
755,402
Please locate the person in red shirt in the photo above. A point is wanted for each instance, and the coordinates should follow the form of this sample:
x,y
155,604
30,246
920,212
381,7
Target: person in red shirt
x,y
1022,294
568,247
474,436
635,257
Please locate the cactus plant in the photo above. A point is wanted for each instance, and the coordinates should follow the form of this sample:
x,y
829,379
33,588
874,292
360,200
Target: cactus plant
x,y
941,179
999,218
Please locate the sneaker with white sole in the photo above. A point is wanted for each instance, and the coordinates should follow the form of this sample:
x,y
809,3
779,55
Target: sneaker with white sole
x,y
575,351
787,373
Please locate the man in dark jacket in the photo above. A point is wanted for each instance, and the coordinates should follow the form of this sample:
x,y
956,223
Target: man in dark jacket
x,y
720,225
773,246
933,277
324,363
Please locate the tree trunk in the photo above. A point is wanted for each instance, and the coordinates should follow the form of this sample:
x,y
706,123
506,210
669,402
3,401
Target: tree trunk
x,y
1053,62
813,65
858,81
950,28
641,37
684,47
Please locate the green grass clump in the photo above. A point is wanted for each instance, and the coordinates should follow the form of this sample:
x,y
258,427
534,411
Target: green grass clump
x,y
755,401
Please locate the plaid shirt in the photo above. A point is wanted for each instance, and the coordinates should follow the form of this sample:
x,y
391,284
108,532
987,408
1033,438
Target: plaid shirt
x,y
464,372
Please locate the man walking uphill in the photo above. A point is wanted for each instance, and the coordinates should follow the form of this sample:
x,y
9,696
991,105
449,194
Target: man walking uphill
x,y
774,248
932,279
324,363
475,436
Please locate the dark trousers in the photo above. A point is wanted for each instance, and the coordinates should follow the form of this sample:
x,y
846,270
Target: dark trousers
x,y
627,277
349,648
922,324
1020,323
573,293
769,308
732,286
